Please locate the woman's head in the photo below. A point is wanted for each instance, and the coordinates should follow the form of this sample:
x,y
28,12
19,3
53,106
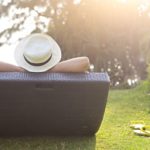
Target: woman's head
x,y
37,53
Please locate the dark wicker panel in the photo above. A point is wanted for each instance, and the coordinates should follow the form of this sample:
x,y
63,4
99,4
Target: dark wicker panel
x,y
52,103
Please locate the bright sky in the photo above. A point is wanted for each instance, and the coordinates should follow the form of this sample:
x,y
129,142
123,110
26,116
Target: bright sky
x,y
7,54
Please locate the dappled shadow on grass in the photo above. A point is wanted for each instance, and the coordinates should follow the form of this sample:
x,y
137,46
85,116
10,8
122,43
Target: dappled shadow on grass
x,y
48,143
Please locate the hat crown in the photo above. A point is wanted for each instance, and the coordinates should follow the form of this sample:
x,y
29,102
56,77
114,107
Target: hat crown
x,y
37,49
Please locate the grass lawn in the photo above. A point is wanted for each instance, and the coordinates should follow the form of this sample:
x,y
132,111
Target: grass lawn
x,y
123,106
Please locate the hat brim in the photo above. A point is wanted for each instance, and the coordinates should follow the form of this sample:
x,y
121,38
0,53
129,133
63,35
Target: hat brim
x,y
55,58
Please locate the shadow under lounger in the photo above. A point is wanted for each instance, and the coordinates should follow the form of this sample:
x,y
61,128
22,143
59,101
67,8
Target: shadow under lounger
x,y
52,103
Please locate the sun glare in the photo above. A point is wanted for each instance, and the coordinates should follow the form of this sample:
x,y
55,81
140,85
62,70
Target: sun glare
x,y
124,1
76,2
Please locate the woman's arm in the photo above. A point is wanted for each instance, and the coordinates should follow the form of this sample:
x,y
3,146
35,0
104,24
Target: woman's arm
x,y
78,64
5,67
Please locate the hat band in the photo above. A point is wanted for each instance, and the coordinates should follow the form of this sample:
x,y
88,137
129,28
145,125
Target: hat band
x,y
37,64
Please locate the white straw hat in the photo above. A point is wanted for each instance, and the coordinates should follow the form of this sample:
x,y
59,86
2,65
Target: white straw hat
x,y
37,53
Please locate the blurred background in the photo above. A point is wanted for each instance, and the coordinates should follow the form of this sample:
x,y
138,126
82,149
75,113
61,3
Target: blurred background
x,y
114,34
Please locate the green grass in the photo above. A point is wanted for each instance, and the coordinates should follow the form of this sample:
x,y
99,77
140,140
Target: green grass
x,y
123,106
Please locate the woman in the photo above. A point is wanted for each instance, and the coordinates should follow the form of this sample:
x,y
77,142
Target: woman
x,y
40,53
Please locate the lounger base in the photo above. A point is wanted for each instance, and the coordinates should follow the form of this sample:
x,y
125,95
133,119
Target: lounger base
x,y
52,103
